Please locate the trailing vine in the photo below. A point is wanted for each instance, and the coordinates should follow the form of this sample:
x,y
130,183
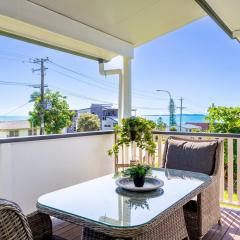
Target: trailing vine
x,y
135,129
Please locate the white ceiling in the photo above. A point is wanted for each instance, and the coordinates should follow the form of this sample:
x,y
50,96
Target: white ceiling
x,y
106,28
133,21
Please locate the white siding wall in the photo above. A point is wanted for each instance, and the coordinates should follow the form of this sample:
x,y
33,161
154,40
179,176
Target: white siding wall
x,y
22,133
32,168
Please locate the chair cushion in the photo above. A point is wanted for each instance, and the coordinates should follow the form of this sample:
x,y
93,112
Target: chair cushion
x,y
191,155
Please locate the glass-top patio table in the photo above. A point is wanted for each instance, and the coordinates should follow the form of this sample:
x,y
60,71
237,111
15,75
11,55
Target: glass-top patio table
x,y
100,206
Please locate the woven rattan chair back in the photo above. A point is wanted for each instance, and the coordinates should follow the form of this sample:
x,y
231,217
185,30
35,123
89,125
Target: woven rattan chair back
x,y
218,154
13,224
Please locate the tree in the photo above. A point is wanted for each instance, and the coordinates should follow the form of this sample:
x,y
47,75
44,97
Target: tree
x,y
56,116
88,122
224,119
161,126
173,129
37,94
172,117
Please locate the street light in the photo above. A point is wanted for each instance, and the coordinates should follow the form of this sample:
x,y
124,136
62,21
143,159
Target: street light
x,y
171,108
169,94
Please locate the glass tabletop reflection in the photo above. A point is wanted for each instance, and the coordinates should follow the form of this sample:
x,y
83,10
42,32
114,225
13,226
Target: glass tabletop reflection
x,y
101,201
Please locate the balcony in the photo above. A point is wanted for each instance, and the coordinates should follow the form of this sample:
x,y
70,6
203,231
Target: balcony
x,y
32,166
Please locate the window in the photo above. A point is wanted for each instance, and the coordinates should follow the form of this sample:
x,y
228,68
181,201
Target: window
x,y
32,132
13,133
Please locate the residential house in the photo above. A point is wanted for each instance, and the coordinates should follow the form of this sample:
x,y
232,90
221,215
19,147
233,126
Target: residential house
x,y
17,129
203,126
107,114
187,127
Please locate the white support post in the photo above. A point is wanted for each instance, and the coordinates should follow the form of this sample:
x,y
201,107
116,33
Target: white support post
x,y
127,87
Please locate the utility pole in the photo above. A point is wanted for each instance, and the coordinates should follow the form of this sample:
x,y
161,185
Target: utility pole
x,y
181,112
42,70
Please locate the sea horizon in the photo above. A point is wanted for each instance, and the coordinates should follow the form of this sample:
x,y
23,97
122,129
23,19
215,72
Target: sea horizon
x,y
196,117
186,118
13,118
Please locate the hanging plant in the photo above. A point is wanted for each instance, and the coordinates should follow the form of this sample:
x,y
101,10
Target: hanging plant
x,y
135,129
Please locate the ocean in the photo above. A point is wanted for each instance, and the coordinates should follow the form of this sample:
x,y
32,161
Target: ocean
x,y
12,118
165,118
200,118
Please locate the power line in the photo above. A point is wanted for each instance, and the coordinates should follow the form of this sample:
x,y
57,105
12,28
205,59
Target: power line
x,y
74,94
111,89
97,82
24,84
13,110
80,80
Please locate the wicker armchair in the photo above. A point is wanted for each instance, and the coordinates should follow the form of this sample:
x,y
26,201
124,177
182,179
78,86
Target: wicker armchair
x,y
202,213
15,226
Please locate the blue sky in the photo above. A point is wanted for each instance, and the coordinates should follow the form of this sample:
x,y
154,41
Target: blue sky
x,y
198,62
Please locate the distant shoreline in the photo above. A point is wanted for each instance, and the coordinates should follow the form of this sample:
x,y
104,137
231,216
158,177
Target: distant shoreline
x,y
12,118
191,118
167,115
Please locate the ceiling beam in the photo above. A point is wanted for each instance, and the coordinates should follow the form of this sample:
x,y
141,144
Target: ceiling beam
x,y
25,15
210,11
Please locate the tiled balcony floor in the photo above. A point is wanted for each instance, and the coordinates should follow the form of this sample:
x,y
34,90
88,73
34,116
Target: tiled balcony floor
x,y
230,228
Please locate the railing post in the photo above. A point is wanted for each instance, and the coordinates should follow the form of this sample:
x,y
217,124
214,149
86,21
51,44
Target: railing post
x,y
230,169
238,170
222,177
233,178
159,145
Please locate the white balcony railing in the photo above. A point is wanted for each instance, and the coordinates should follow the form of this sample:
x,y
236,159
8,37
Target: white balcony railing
x,y
230,171
230,176
32,166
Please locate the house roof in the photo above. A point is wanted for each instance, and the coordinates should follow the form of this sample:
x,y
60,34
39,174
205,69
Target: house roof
x,y
190,126
14,125
114,119
203,126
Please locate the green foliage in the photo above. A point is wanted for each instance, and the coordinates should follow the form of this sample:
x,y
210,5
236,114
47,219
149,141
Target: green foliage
x,y
137,171
161,126
196,130
57,117
143,129
173,129
88,122
224,119
37,94
172,117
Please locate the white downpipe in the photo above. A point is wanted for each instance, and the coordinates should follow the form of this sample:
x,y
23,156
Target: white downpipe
x,y
118,72
127,87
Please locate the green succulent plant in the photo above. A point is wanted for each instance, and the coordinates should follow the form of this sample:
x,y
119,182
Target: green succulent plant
x,y
137,171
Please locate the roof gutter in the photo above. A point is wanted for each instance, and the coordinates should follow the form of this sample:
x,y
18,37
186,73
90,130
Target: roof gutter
x,y
209,10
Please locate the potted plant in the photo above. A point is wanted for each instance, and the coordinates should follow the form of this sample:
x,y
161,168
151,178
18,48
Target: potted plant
x,y
135,129
137,174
